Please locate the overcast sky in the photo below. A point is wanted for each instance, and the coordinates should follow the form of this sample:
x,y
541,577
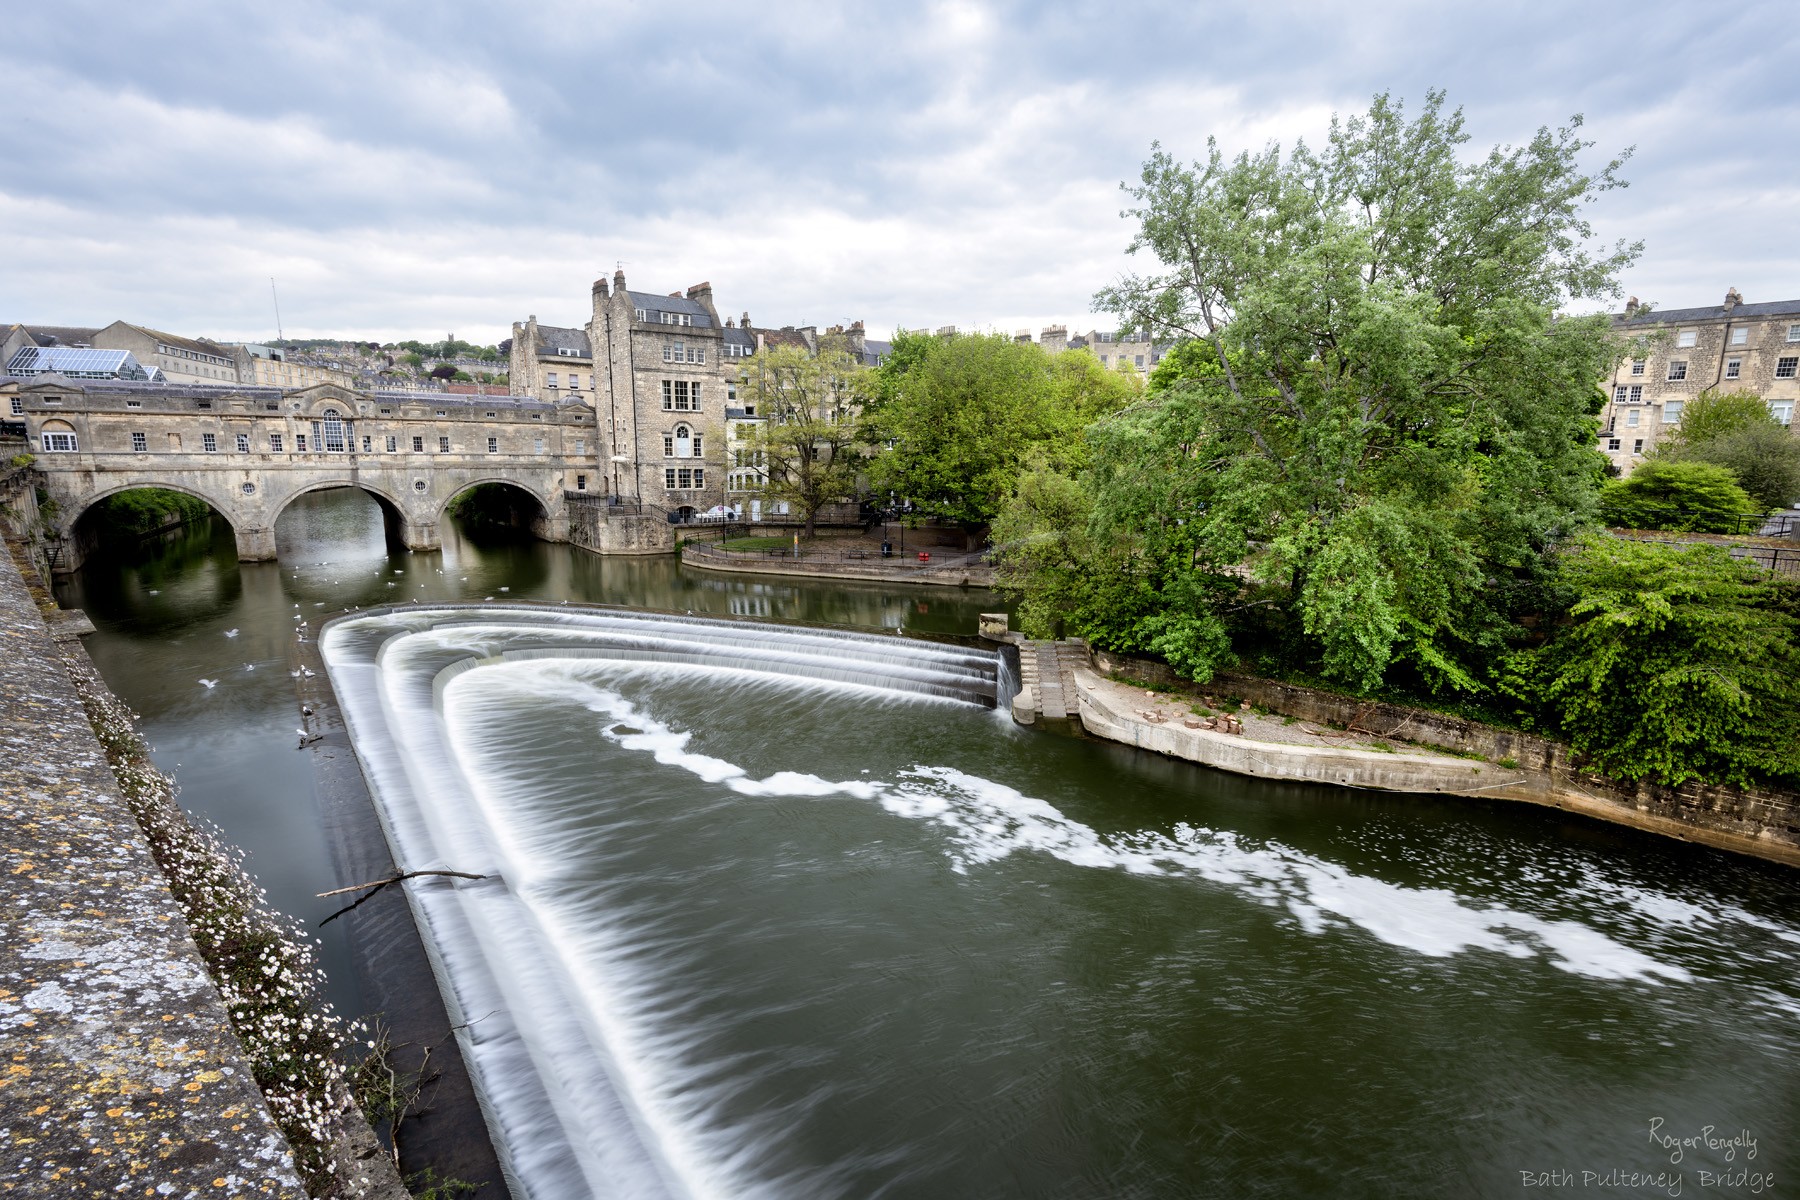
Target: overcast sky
x,y
411,170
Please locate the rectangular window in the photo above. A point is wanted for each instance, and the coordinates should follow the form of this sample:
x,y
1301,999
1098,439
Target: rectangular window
x,y
59,443
418,445
697,453
1740,335
581,483
581,445
696,354
1784,367
694,395
669,478
1637,445
668,445
1782,411
1686,338
209,442
1733,367
684,478
243,443
1619,394
368,444
640,314
550,378
1631,418
300,443
540,445
1612,444
140,443
731,393
493,445
1672,411
668,395
672,352
274,443
393,443
699,477
1794,333
1637,393
1138,361
443,445
1677,370
1637,366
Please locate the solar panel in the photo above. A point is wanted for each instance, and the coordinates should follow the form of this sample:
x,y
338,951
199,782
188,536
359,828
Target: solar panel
x,y
76,362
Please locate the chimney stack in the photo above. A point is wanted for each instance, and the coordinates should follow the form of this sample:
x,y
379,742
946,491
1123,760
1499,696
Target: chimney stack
x,y
1631,306
744,321
1732,299
619,280
600,287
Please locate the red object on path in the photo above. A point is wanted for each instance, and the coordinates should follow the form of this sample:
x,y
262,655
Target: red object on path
x,y
924,556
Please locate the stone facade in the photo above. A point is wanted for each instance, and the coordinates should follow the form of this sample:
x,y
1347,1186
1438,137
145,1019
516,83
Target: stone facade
x,y
549,362
248,452
1673,356
263,366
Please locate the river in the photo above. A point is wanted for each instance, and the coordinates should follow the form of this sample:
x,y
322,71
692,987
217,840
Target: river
x,y
789,916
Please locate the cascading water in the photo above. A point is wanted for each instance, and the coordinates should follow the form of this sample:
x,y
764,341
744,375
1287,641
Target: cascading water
x,y
774,911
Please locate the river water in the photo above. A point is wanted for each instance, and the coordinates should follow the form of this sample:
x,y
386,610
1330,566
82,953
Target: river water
x,y
773,914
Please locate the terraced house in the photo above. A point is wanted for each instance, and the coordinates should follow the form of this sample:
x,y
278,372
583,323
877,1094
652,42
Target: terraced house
x,y
1678,353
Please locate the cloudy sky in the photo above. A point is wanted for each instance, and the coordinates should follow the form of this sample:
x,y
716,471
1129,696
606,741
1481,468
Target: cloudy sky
x,y
412,170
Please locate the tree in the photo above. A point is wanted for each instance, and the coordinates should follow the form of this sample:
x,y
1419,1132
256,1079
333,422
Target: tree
x,y
1675,663
810,438
961,412
1764,457
443,371
1676,494
1387,430
1712,415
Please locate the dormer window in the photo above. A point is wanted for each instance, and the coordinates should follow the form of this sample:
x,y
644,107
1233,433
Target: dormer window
x,y
564,352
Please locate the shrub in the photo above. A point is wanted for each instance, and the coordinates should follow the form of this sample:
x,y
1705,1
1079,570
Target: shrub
x,y
1676,494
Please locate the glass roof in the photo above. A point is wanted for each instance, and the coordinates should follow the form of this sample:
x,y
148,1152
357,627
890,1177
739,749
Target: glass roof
x,y
77,362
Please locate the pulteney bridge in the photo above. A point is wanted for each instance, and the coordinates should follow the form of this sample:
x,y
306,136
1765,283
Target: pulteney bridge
x,y
249,452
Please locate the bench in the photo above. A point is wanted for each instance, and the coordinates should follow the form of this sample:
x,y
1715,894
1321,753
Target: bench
x,y
856,554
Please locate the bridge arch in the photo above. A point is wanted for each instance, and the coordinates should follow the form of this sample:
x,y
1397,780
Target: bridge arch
x,y
81,536
398,517
527,507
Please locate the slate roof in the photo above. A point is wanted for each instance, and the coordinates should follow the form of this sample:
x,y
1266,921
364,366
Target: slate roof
x,y
652,303
552,338
732,335
60,335
198,345
874,352
1768,308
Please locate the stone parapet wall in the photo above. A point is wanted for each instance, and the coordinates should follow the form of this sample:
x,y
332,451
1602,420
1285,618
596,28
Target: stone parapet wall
x,y
1765,823
124,1075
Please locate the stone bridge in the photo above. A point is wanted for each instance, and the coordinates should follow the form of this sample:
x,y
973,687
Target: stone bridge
x,y
249,452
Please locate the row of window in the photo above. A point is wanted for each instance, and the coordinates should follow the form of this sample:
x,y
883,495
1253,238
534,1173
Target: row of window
x,y
574,380
677,352
177,352
1740,336
209,444
1786,367
684,478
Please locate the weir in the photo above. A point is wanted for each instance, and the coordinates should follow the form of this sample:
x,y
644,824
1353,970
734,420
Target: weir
x,y
564,1128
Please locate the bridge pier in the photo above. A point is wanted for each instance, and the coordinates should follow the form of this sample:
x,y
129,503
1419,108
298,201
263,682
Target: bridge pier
x,y
420,536
255,543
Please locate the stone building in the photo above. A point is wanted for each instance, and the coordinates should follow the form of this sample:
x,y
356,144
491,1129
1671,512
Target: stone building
x,y
266,366
551,363
182,360
1674,355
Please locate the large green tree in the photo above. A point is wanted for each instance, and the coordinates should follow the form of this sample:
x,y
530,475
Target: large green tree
x,y
961,412
1381,428
810,439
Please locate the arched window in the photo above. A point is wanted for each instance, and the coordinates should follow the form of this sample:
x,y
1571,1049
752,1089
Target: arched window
x,y
332,432
685,442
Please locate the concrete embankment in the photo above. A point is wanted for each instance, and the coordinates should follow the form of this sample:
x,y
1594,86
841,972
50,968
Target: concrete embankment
x,y
963,570
1485,762
123,1076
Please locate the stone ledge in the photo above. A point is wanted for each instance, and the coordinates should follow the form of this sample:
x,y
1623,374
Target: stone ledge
x,y
122,1071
